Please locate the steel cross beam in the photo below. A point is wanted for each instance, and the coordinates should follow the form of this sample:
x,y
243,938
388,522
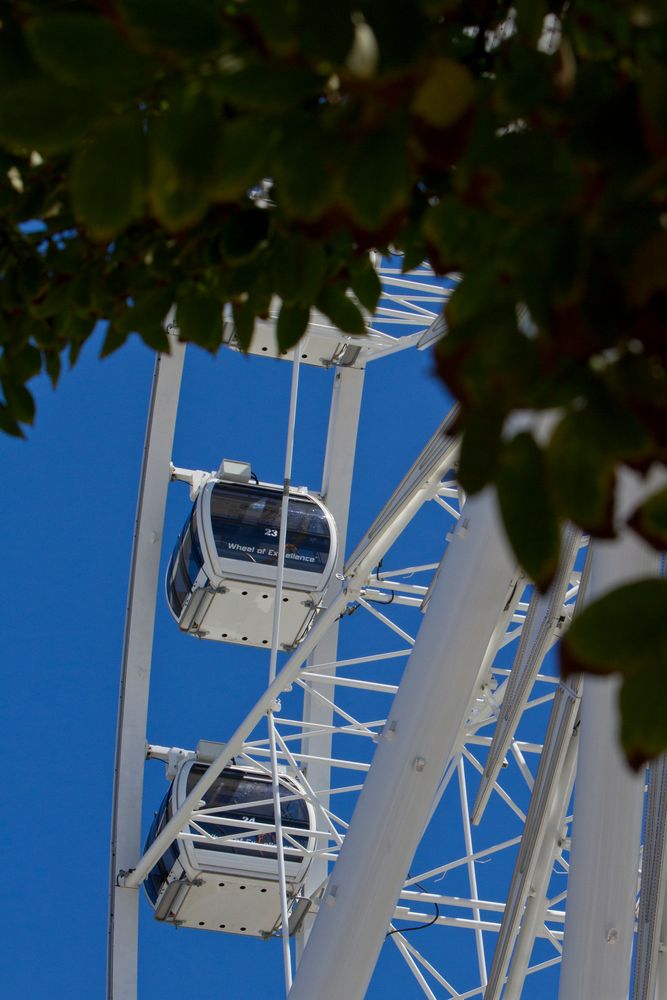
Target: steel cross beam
x,y
540,631
540,844
136,669
424,731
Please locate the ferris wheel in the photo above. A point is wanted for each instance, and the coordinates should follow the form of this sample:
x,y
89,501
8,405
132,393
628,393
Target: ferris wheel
x,y
401,790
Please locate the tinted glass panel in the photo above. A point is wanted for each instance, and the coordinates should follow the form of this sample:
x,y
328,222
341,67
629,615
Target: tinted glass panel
x,y
158,875
184,566
235,789
246,523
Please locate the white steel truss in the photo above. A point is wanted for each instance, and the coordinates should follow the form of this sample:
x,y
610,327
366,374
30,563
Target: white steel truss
x,y
441,700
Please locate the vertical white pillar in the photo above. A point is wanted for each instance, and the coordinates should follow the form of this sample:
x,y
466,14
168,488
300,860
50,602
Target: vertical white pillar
x,y
424,730
135,673
336,489
606,834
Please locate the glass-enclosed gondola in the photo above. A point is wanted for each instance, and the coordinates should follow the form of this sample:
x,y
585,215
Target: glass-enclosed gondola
x,y
221,580
224,875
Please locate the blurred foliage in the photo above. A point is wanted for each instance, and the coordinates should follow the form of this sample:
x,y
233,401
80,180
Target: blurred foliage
x,y
524,145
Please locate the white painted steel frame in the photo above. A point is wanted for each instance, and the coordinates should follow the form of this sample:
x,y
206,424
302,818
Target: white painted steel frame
x,y
314,732
419,485
318,711
136,668
425,730
650,981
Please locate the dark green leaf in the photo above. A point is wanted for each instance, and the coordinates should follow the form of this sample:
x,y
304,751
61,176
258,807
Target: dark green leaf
x,y
53,366
244,323
643,704
108,178
650,520
525,504
292,324
191,29
480,446
626,632
184,160
45,115
341,310
298,270
8,424
16,63
366,284
244,147
19,401
582,478
325,30
377,182
146,317
267,88
55,300
25,363
85,50
305,179
155,337
114,338
199,318
243,235
621,632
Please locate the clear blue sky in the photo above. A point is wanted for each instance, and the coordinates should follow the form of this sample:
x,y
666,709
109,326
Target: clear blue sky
x,y
69,494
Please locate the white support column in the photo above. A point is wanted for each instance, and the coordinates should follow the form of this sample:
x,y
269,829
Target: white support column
x,y
650,982
336,489
606,835
135,675
424,730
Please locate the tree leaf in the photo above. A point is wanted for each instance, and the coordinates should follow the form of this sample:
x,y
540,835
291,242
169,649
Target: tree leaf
x,y
184,159
199,318
650,520
265,88
146,317
625,632
85,50
53,365
45,115
298,269
108,178
621,632
244,323
305,185
292,324
8,424
643,704
377,181
366,284
20,404
527,511
480,446
341,310
190,29
24,363
114,338
582,477
16,62
245,144
446,93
